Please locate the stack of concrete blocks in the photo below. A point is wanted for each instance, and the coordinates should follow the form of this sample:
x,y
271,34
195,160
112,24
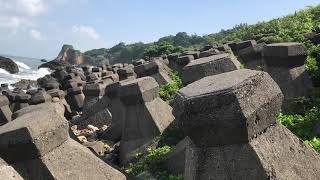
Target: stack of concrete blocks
x,y
21,100
195,54
177,62
127,72
156,69
237,46
60,95
112,101
285,62
208,66
5,112
75,98
146,115
97,71
95,109
230,120
116,67
41,96
37,146
251,57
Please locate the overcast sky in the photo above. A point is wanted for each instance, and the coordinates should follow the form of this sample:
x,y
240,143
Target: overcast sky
x,y
38,28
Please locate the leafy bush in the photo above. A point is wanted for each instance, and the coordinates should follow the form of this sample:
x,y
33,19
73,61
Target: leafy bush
x,y
167,92
152,162
171,136
304,126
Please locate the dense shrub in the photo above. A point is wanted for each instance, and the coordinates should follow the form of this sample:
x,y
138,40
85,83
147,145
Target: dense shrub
x,y
151,162
167,92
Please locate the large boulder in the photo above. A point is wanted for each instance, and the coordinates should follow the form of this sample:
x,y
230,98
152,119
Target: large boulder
x,y
230,120
8,65
38,146
208,66
5,112
54,65
146,115
285,63
251,57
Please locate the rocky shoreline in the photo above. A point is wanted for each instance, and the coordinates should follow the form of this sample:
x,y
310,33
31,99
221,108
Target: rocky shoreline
x,y
88,122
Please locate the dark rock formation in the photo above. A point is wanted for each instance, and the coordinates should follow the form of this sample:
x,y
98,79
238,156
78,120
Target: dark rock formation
x,y
54,65
70,55
8,65
230,120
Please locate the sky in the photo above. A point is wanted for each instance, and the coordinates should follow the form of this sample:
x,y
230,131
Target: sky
x,y
39,28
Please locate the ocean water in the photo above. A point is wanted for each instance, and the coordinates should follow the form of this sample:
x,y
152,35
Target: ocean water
x,y
28,69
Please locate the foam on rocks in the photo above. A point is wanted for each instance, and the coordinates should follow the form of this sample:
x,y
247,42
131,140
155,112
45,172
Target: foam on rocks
x,y
230,120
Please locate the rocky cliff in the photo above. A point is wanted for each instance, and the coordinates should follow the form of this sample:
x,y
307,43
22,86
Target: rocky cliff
x,y
70,55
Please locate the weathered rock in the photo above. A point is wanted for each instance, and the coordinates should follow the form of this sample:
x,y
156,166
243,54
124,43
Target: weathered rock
x,y
38,146
40,97
195,54
178,158
57,93
223,97
314,37
117,109
75,98
285,64
33,134
155,69
70,55
285,54
235,130
126,73
146,115
7,172
251,57
21,100
54,64
25,84
8,65
138,62
208,66
208,53
184,60
5,112
237,46
92,93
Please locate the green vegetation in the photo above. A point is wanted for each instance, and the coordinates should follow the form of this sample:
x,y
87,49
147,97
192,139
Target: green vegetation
x,y
167,92
171,136
303,126
151,162
161,48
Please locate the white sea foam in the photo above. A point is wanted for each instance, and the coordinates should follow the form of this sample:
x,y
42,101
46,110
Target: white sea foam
x,y
27,70
22,65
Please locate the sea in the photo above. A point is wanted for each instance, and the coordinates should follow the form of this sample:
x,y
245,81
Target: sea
x,y
28,69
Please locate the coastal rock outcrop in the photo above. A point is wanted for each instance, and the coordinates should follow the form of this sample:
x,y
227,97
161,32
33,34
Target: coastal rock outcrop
x,y
70,55
8,65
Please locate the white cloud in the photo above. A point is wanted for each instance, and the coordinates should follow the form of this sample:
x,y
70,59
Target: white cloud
x,y
37,35
22,7
87,30
17,14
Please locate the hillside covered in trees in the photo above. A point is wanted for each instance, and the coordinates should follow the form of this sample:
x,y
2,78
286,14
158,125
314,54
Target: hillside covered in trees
x,y
290,28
